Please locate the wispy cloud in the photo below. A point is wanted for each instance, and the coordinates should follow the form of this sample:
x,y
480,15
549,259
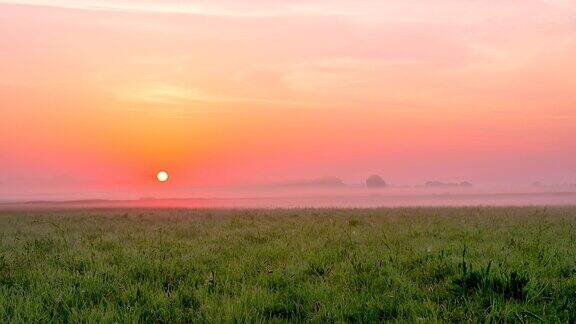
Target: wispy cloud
x,y
361,11
171,7
180,96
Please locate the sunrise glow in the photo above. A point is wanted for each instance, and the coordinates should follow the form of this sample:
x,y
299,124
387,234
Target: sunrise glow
x,y
96,95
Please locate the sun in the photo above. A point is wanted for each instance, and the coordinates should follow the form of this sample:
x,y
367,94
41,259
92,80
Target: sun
x,y
162,176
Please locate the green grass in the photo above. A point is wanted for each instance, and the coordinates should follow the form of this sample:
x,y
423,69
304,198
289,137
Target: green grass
x,y
444,264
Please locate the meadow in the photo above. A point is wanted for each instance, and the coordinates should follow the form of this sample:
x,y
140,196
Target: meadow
x,y
289,265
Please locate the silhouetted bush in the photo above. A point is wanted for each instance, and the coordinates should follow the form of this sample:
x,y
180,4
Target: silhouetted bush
x,y
375,181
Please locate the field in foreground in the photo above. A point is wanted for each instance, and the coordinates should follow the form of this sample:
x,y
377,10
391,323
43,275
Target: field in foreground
x,y
516,264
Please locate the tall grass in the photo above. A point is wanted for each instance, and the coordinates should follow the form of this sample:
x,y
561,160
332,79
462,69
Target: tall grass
x,y
445,264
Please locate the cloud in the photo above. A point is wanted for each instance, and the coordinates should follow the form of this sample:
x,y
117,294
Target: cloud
x,y
184,100
166,94
361,11
205,8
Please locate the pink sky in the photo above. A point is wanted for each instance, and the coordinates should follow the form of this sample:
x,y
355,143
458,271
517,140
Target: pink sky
x,y
105,93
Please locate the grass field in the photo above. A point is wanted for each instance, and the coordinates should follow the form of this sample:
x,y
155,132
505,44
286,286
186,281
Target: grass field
x,y
447,264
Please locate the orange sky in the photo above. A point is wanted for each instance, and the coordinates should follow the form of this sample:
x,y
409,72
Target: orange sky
x,y
105,93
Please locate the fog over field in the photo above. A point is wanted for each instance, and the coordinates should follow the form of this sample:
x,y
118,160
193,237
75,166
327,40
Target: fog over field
x,y
325,192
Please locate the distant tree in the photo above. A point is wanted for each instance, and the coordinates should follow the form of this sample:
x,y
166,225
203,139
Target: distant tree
x,y
319,182
375,181
439,184
435,184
